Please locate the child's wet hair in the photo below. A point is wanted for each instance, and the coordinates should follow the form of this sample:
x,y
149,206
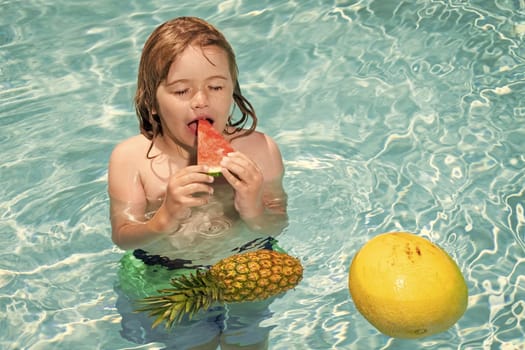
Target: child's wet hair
x,y
161,49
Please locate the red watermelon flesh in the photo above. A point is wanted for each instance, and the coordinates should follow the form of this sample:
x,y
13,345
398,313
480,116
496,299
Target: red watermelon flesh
x,y
211,147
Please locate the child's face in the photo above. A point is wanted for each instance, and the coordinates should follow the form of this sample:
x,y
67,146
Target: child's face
x,y
199,85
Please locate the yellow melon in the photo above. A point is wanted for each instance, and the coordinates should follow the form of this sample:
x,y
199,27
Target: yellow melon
x,y
406,286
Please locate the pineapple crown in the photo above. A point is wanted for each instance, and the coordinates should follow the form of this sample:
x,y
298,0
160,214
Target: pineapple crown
x,y
189,295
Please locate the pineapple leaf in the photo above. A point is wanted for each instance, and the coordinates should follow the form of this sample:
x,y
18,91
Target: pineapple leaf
x,y
189,295
159,319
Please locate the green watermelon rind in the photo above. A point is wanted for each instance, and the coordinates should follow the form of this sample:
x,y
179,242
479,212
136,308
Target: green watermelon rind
x,y
214,171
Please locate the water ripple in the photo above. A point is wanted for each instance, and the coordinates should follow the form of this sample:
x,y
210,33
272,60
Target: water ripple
x,y
390,116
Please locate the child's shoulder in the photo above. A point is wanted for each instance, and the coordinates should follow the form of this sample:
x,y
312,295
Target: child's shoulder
x,y
256,138
257,142
131,146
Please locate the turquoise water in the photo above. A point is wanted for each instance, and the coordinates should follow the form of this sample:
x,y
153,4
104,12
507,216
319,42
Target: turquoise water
x,y
391,115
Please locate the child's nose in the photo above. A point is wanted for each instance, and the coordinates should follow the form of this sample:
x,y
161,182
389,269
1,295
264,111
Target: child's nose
x,y
199,100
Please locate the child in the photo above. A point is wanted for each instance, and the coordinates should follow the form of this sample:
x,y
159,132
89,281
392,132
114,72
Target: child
x,y
168,210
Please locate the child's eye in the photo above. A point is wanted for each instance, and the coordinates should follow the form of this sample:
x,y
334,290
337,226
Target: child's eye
x,y
181,92
216,88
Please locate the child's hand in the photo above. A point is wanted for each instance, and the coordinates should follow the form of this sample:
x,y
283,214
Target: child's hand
x,y
184,184
189,187
247,180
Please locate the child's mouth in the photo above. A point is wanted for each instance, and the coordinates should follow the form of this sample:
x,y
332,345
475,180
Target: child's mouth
x,y
194,123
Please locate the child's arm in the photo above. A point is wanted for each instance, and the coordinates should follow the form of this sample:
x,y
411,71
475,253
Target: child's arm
x,y
256,179
274,218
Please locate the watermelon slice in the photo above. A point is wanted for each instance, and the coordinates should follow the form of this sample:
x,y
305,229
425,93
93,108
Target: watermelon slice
x,y
211,147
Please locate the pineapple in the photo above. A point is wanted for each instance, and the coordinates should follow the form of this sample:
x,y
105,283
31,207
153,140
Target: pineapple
x,y
249,276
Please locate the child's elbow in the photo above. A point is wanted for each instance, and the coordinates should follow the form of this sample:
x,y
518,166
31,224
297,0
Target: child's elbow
x,y
119,240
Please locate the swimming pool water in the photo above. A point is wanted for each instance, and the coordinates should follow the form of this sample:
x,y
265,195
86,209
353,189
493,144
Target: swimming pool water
x,y
390,115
